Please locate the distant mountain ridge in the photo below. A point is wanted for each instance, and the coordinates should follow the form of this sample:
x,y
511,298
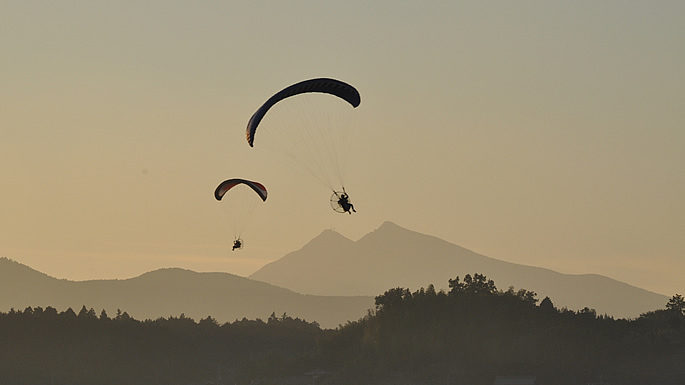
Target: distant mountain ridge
x,y
331,280
172,292
392,256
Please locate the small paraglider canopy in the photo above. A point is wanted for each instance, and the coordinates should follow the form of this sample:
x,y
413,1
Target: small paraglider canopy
x,y
226,185
239,198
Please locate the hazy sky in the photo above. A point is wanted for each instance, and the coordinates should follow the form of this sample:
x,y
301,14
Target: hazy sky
x,y
542,133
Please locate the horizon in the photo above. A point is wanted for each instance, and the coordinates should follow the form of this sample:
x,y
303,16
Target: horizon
x,y
384,224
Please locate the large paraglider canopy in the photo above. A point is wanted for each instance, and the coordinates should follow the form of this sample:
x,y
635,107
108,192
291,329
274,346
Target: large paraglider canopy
x,y
308,126
321,85
239,198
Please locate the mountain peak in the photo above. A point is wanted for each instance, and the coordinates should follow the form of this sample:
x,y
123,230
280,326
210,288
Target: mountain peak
x,y
388,228
316,256
393,233
331,232
328,237
389,225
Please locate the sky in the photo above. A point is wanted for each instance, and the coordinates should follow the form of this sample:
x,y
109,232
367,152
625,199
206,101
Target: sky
x,y
549,134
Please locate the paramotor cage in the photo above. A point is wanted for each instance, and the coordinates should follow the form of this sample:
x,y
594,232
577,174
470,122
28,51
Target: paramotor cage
x,y
337,199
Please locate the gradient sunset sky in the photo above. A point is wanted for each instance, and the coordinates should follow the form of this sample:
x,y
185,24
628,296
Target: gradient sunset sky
x,y
543,133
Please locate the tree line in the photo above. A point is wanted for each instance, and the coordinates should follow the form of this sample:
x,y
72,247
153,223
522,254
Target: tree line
x,y
474,331
465,335
44,346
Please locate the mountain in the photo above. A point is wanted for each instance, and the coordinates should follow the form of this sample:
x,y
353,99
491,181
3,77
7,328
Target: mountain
x,y
172,292
392,256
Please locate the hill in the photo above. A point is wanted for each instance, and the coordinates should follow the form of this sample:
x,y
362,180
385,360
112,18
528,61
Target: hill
x,y
392,256
171,292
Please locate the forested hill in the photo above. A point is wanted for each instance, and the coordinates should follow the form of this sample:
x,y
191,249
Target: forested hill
x,y
392,256
468,335
474,332
171,292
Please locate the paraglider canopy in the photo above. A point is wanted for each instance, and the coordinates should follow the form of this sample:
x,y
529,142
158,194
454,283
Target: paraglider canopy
x,y
321,85
230,183
239,199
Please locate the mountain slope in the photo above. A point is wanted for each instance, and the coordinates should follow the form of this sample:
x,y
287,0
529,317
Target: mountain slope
x,y
392,256
171,292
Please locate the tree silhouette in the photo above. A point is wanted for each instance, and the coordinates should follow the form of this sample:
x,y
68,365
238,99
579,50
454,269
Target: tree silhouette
x,y
547,306
479,284
677,304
